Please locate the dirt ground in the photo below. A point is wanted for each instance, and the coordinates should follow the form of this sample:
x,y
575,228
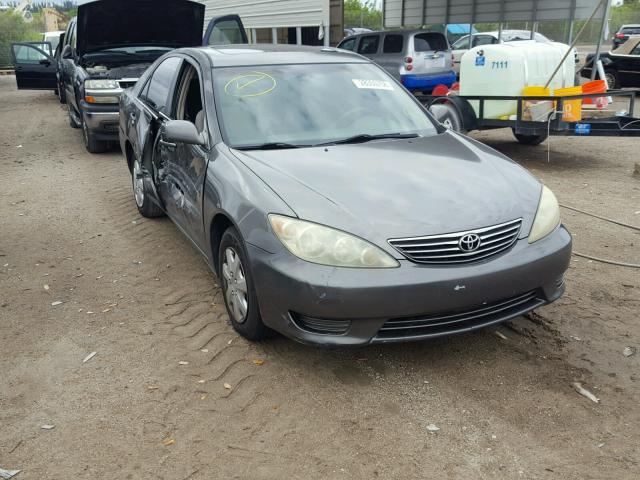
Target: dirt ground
x,y
135,292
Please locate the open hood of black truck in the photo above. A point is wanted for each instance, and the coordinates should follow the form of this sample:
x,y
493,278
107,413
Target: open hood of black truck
x,y
106,24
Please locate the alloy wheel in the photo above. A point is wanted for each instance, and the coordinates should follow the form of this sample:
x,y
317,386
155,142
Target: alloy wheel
x,y
138,184
235,285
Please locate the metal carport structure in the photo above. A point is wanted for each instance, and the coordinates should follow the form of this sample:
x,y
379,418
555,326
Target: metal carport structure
x,y
405,13
401,13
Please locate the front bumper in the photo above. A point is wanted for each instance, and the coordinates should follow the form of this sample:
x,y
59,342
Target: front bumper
x,y
101,120
341,306
427,82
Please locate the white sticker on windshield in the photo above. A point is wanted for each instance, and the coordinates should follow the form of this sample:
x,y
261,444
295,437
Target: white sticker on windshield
x,y
373,84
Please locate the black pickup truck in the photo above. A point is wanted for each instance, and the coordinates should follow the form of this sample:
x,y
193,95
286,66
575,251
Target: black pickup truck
x,y
106,49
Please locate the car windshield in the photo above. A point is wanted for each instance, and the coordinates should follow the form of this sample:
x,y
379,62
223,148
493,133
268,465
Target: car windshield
x,y
312,104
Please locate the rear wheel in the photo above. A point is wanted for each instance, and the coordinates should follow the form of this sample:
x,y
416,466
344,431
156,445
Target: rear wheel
x,y
530,139
73,118
612,79
238,289
62,96
145,206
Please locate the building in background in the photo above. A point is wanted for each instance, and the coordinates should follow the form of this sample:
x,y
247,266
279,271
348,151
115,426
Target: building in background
x,y
303,22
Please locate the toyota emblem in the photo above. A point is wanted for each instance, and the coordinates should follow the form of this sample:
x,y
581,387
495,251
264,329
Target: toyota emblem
x,y
470,242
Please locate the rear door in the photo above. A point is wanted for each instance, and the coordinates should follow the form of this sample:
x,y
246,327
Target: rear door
x,y
225,30
391,57
431,54
35,67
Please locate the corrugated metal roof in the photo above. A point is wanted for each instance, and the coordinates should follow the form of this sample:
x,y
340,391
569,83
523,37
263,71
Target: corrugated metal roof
x,y
401,13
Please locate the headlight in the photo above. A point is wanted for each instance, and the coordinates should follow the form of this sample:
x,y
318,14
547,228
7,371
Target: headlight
x,y
101,84
326,246
547,216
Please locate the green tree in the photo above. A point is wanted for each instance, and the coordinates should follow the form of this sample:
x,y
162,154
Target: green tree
x,y
14,29
362,13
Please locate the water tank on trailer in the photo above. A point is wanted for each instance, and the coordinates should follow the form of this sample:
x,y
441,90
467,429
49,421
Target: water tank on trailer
x,y
505,69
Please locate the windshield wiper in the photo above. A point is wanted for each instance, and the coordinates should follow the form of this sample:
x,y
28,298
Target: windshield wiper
x,y
270,146
365,137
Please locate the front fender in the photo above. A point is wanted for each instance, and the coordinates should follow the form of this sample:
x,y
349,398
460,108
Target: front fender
x,y
233,190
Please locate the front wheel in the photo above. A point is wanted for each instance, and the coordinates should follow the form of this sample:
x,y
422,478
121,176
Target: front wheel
x,y
238,289
90,142
530,139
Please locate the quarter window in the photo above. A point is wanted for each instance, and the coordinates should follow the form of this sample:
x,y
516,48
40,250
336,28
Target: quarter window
x,y
158,92
392,44
349,44
369,45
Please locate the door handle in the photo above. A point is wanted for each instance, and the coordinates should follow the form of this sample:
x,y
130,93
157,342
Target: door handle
x,y
168,144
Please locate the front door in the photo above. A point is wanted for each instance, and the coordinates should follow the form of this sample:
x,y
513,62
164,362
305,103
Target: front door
x,y
35,67
189,162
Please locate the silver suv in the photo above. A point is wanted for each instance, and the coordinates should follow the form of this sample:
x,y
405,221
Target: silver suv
x,y
418,58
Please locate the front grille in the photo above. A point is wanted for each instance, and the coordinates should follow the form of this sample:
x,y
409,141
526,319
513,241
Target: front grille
x,y
460,321
446,249
321,326
127,83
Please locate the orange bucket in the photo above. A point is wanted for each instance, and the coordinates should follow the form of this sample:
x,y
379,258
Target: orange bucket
x,y
595,86
572,110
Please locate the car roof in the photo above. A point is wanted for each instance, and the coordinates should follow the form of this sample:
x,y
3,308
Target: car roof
x,y
267,54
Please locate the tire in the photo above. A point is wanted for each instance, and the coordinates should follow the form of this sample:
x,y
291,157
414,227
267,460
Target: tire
x,y
242,304
90,142
141,196
448,116
530,139
73,123
62,96
612,79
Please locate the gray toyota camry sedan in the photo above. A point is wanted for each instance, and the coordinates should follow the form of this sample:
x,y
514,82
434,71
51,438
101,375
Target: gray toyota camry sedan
x,y
333,208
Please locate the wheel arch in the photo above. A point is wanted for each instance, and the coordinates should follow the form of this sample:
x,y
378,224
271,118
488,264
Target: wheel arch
x,y
220,223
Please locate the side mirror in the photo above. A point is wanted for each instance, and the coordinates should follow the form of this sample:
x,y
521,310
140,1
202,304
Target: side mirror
x,y
182,131
67,52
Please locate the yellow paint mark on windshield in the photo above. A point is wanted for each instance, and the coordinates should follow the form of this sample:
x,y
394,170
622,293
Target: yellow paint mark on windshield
x,y
252,84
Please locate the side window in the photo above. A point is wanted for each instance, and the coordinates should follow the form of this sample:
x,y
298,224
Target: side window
x,y
30,54
348,44
190,103
369,45
158,91
462,44
72,36
393,44
636,51
482,40
226,32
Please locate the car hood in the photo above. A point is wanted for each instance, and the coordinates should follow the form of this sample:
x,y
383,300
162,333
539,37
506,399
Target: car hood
x,y
400,188
116,23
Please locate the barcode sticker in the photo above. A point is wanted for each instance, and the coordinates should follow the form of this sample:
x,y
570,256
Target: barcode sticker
x,y
373,84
